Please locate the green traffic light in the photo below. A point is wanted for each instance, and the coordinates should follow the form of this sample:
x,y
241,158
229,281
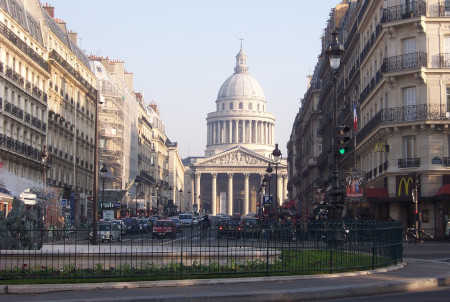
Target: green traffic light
x,y
343,150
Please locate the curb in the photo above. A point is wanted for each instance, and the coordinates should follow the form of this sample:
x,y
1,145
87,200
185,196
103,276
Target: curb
x,y
48,288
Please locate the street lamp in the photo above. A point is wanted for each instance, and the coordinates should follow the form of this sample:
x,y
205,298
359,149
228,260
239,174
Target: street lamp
x,y
137,182
103,175
276,153
44,158
335,51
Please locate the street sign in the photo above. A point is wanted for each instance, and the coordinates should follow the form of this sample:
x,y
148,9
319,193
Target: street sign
x,y
117,204
267,200
28,198
63,202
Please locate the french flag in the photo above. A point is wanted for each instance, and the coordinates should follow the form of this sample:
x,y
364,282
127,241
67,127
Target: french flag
x,y
355,116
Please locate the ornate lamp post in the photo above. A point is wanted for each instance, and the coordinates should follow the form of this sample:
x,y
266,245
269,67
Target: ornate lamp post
x,y
269,172
137,182
335,51
276,153
103,175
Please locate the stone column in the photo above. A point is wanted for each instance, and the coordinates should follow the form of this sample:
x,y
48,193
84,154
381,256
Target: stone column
x,y
285,180
230,194
228,132
214,194
279,189
246,193
197,188
191,202
236,131
243,131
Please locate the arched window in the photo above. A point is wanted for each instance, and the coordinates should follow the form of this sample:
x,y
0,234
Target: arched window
x,y
241,106
231,106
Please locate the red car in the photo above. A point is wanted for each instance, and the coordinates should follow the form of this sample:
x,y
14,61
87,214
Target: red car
x,y
163,228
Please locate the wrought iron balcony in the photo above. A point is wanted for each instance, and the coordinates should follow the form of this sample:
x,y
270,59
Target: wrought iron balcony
x,y
404,11
19,147
409,162
14,39
405,114
404,62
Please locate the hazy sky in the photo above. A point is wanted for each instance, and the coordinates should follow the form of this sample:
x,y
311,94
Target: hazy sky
x,y
181,51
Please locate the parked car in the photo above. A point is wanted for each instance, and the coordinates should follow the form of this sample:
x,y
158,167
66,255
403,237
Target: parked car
x,y
177,223
186,220
195,221
122,226
143,225
229,228
107,231
164,228
251,227
132,225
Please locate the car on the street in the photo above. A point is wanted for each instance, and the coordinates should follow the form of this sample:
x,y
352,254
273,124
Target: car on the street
x,y
251,227
186,220
107,231
143,225
122,226
164,228
132,225
195,221
177,223
229,228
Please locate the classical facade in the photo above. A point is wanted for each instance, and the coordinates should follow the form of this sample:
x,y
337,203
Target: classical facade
x,y
240,141
395,74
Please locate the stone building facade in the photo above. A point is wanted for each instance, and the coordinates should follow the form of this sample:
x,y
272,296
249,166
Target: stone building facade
x,y
395,76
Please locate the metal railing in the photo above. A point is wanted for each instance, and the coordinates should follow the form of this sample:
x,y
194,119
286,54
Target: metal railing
x,y
404,62
409,162
319,246
404,11
405,114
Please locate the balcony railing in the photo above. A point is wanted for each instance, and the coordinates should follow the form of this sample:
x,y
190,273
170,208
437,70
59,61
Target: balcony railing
x,y
91,90
404,62
407,114
409,162
404,11
11,36
19,147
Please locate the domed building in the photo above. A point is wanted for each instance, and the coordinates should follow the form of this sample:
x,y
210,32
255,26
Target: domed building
x,y
240,142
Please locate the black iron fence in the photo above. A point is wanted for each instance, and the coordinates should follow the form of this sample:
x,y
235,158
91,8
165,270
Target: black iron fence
x,y
321,246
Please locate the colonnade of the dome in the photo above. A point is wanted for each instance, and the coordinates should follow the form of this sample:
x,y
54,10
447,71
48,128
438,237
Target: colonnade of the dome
x,y
232,131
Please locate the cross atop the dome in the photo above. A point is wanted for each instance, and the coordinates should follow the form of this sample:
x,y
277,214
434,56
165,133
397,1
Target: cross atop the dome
x,y
241,41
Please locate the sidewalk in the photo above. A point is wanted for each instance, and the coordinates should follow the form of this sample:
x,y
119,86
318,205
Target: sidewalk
x,y
408,276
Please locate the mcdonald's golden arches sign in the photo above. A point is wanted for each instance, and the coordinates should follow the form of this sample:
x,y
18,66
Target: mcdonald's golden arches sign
x,y
404,186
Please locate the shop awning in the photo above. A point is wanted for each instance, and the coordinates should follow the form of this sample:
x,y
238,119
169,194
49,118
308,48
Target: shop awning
x,y
377,192
444,190
5,195
289,204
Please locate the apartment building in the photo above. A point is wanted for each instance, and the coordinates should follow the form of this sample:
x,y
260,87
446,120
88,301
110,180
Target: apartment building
x,y
395,76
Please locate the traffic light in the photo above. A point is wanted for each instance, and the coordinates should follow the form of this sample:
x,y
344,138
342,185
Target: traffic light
x,y
342,139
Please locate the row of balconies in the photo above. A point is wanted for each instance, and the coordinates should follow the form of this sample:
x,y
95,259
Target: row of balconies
x,y
19,113
20,81
17,41
66,156
405,114
19,147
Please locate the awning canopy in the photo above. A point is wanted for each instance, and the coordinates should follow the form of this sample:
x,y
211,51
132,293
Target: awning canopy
x,y
377,192
444,190
289,204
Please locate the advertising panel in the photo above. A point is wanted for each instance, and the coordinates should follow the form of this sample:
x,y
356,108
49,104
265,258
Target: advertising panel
x,y
355,185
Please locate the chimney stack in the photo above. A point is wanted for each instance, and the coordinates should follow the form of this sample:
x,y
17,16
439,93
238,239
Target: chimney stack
x,y
50,10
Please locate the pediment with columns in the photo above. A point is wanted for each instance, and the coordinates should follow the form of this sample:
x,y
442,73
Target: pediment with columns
x,y
237,156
